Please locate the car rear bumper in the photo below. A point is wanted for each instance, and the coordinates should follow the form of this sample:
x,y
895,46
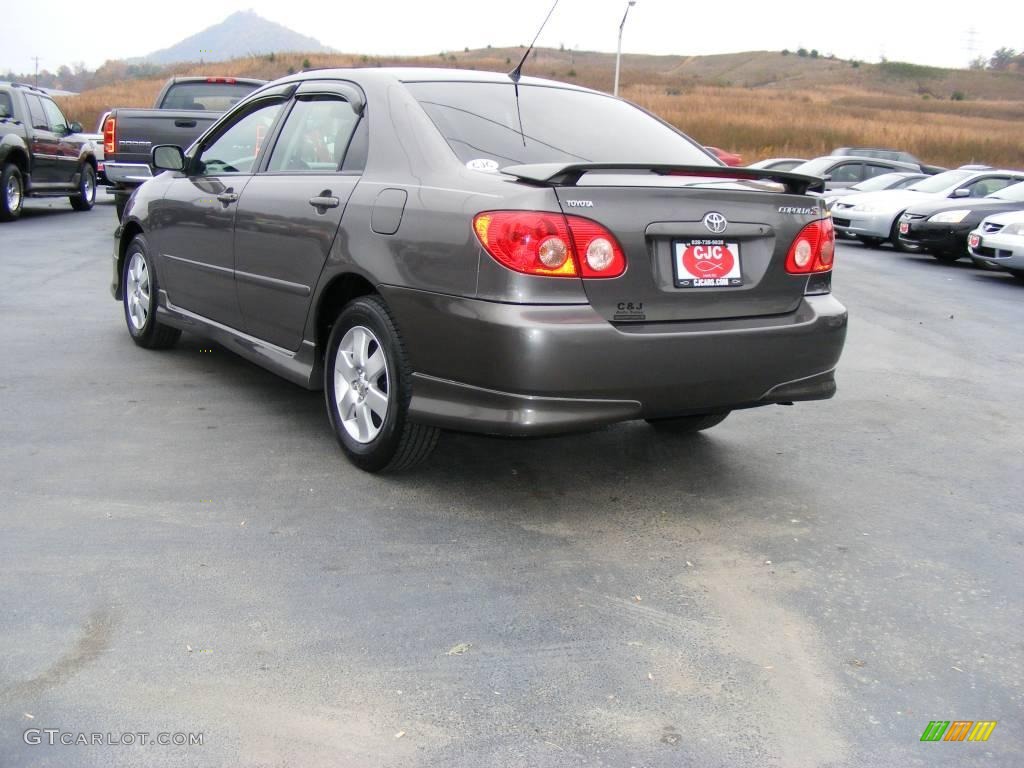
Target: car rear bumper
x,y
516,369
127,174
851,222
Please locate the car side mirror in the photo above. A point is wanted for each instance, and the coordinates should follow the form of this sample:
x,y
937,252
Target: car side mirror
x,y
961,192
75,127
827,177
168,157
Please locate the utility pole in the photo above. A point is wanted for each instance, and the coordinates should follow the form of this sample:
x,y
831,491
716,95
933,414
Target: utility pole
x,y
36,60
618,53
971,44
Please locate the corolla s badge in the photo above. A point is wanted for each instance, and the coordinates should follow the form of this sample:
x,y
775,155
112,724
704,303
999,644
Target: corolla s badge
x,y
715,222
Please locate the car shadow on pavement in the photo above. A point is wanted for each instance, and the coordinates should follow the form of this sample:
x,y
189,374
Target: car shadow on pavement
x,y
619,461
626,468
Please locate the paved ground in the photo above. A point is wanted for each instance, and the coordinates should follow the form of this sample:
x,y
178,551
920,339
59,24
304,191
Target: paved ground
x,y
183,549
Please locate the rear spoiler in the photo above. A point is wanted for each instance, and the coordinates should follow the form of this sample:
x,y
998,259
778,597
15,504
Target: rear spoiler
x,y
569,174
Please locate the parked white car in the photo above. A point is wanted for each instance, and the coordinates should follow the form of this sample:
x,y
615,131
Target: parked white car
x,y
999,242
873,217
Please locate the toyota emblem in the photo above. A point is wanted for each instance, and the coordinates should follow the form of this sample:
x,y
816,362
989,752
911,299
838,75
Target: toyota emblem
x,y
715,222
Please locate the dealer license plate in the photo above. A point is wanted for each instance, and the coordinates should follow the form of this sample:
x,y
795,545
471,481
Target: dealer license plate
x,y
702,263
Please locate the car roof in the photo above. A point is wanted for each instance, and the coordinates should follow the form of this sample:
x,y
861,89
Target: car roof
x,y
429,75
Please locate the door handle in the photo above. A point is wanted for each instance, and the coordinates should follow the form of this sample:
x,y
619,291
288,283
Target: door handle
x,y
323,201
227,198
184,123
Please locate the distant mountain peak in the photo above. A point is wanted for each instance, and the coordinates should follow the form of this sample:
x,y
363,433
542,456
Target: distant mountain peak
x,y
243,33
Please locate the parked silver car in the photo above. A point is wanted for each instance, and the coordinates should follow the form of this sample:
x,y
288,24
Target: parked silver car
x,y
841,171
999,242
874,217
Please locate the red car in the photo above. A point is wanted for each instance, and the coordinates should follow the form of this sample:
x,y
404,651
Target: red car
x,y
729,158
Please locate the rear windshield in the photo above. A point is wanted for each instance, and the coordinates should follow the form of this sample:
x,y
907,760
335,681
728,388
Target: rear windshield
x,y
6,107
559,125
216,97
941,182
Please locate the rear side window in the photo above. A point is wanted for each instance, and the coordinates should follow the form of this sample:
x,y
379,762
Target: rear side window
x,y
6,105
479,121
315,136
216,97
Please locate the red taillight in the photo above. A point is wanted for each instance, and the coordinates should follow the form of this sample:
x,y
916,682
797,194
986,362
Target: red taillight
x,y
110,136
813,250
228,80
550,244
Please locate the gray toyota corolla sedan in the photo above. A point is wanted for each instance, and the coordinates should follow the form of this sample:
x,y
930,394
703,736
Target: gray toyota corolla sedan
x,y
441,249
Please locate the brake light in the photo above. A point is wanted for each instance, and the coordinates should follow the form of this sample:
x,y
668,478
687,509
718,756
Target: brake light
x,y
813,249
550,244
228,80
110,136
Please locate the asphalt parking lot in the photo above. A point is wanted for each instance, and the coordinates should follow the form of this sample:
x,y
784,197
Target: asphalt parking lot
x,y
183,549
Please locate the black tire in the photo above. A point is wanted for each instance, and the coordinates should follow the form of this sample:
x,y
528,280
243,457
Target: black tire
x,y
398,443
872,242
684,425
947,257
140,314
1017,273
894,238
12,192
120,201
86,197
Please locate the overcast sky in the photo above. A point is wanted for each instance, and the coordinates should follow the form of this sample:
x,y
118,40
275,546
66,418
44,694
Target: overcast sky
x,y
66,31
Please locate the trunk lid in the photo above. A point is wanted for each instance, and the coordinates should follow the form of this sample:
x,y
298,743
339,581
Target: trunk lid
x,y
656,219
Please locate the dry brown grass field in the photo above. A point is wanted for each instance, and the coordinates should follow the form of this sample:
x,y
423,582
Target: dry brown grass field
x,y
760,104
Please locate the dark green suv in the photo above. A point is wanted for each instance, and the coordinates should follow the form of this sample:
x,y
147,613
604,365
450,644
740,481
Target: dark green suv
x,y
41,153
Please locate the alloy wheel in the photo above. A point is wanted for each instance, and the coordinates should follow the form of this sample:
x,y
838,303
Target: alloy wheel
x,y
13,192
361,384
137,291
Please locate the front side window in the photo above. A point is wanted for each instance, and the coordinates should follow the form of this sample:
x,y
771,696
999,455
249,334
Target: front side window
x,y
315,136
941,182
235,150
847,172
481,122
871,170
58,123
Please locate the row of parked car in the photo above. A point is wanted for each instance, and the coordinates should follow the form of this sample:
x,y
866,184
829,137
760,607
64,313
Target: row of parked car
x,y
880,196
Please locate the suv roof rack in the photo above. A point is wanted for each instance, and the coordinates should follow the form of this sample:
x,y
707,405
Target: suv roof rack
x,y
25,85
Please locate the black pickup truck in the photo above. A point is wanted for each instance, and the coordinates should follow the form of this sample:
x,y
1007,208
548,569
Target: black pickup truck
x,y
41,153
185,107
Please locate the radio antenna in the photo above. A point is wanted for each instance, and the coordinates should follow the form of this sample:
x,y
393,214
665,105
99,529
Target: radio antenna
x,y
517,73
